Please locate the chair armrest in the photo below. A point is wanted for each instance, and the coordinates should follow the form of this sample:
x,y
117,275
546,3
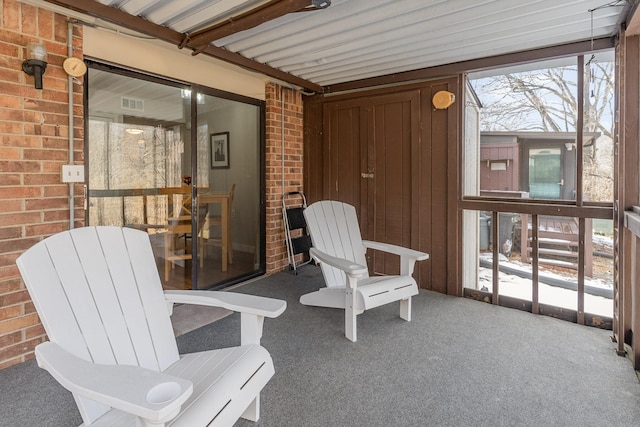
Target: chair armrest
x,y
253,309
349,267
243,303
147,394
397,250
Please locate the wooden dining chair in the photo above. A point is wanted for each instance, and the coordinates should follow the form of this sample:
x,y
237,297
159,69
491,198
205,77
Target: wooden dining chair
x,y
173,250
216,221
178,227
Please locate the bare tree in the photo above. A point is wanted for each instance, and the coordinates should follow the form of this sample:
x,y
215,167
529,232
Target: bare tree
x,y
546,101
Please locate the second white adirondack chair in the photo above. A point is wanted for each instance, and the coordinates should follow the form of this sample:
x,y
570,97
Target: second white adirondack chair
x,y
100,299
340,250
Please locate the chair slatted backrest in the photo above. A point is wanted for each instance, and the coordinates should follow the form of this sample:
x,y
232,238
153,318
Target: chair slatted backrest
x,y
334,229
99,296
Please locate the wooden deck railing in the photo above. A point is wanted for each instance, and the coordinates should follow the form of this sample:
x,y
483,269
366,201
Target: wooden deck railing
x,y
531,212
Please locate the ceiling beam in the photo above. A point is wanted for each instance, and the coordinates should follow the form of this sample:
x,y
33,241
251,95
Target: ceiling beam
x,y
496,61
252,18
141,25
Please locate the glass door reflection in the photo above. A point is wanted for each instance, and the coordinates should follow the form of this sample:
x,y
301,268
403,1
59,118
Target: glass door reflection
x,y
229,206
186,171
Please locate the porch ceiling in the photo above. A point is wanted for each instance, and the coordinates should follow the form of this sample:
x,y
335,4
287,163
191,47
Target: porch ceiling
x,y
355,40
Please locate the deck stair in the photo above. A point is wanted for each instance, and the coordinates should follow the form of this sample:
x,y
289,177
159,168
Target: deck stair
x,y
558,243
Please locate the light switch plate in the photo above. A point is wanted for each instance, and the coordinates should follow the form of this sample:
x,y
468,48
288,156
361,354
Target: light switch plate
x,y
72,173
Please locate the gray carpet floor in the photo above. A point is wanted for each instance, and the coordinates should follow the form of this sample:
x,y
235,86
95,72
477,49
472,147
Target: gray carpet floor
x,y
457,363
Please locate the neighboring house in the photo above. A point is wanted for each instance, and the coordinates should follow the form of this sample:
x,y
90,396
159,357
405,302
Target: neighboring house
x,y
537,165
542,164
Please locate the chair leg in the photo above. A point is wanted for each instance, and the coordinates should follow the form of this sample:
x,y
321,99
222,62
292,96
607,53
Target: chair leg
x,y
350,316
252,413
405,309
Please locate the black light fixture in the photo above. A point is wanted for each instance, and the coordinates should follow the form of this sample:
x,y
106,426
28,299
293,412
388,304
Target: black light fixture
x,y
36,63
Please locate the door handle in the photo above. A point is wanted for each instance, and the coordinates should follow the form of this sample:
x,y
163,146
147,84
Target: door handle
x,y
366,175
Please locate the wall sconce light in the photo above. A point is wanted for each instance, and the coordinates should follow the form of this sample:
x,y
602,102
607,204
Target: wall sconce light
x,y
36,63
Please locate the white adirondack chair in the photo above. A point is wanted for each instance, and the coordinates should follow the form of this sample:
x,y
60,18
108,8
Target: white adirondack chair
x,y
100,299
340,250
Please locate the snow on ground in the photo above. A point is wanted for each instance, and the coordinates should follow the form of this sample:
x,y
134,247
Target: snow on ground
x,y
518,287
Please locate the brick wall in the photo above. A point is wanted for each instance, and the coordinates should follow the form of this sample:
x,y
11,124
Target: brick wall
x,y
33,146
293,152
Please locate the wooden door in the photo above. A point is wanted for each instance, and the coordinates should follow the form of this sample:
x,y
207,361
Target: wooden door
x,y
369,143
393,156
393,132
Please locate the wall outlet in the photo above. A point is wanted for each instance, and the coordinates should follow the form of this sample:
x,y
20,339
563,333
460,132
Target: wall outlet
x,y
72,173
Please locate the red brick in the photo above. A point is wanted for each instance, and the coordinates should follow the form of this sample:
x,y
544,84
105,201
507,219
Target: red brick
x,y
28,21
29,308
9,154
46,229
57,142
19,349
41,179
36,331
18,323
9,75
60,215
60,28
45,203
45,24
11,338
20,219
19,141
7,259
17,245
11,15
33,154
19,192
10,233
58,190
18,166
9,312
11,127
10,102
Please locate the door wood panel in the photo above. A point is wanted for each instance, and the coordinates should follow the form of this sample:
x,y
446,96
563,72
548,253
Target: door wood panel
x,y
410,148
395,129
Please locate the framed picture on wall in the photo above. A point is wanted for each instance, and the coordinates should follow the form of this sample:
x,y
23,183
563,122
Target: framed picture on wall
x,y
220,150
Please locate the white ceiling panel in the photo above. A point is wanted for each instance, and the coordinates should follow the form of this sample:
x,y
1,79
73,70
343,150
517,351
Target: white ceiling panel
x,y
356,39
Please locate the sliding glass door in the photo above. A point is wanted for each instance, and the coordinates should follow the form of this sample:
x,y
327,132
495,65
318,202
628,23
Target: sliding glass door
x,y
186,170
229,176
